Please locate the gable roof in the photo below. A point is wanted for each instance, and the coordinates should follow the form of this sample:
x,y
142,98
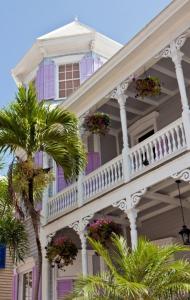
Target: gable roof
x,y
74,37
73,28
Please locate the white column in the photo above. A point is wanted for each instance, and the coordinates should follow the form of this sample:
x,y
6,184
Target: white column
x,y
176,56
132,215
44,212
45,270
80,227
121,97
84,253
81,175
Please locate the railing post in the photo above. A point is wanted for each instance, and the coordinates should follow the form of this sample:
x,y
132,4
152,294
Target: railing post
x,y
173,51
80,192
119,94
45,197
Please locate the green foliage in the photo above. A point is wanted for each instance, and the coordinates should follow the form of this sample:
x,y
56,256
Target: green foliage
x,y
32,126
23,171
148,86
61,251
149,272
97,123
5,200
13,235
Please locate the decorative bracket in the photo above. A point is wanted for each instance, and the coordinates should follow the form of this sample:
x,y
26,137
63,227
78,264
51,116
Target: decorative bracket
x,y
80,225
127,204
121,88
174,46
182,175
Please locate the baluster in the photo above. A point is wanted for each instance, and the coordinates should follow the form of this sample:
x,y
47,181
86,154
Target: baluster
x,y
120,165
140,159
173,139
105,179
147,153
109,175
160,139
164,139
112,174
156,149
178,138
182,135
168,144
132,163
101,181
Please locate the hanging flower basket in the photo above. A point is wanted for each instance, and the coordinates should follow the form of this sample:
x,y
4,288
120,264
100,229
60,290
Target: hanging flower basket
x,y
97,123
148,86
61,251
102,229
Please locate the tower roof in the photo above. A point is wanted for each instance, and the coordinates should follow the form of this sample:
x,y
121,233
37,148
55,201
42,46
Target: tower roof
x,y
71,38
70,29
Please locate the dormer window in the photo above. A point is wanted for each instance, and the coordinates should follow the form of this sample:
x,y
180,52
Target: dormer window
x,y
69,79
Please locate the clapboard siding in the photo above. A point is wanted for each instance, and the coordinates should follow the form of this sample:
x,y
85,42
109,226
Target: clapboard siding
x,y
32,242
6,277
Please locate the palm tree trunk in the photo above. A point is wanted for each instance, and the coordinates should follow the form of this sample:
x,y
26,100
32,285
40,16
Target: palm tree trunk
x,y
35,222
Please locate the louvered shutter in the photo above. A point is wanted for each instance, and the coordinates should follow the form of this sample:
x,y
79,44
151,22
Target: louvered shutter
x,y
45,80
2,256
93,162
15,287
61,182
34,274
64,287
39,159
88,65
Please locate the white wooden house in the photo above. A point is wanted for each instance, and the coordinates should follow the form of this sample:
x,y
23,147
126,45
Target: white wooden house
x,y
132,170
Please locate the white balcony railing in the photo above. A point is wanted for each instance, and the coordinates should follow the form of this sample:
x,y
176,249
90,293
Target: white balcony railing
x,y
103,178
162,145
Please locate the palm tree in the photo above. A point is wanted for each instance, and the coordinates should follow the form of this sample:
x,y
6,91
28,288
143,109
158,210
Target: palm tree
x,y
28,126
148,272
12,230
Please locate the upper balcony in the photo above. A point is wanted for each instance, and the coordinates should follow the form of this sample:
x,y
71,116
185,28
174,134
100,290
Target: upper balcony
x,y
164,145
156,129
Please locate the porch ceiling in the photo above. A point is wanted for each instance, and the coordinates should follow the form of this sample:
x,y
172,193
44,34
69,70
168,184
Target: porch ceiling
x,y
136,108
158,200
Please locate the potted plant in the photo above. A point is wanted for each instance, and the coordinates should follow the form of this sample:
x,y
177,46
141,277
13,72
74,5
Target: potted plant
x,y
102,229
148,86
97,123
61,251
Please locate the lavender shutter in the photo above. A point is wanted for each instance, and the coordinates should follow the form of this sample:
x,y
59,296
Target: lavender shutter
x,y
15,287
34,273
39,158
64,287
97,63
40,81
61,183
45,80
49,79
93,162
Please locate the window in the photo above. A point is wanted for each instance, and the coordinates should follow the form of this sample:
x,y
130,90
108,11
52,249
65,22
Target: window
x,y
69,79
27,286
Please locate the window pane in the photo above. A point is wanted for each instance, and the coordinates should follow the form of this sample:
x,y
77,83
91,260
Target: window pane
x,y
62,68
76,74
68,79
69,67
62,85
76,83
69,75
61,76
69,84
62,94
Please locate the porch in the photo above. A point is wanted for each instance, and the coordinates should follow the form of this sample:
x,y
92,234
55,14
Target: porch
x,y
164,145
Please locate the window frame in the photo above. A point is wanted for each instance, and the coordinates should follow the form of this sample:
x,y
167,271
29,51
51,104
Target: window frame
x,y
66,80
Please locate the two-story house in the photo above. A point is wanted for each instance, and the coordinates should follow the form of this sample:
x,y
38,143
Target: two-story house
x,y
132,170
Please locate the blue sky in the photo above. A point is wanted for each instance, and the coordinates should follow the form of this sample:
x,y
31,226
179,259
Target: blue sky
x,y
22,21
